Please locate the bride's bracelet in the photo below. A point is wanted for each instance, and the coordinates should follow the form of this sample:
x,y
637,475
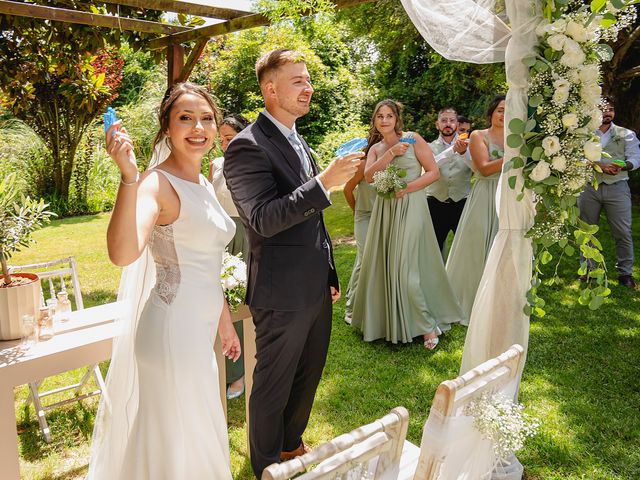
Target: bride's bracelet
x,y
128,184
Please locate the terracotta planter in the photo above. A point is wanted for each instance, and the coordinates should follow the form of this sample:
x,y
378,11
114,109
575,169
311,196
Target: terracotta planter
x,y
16,301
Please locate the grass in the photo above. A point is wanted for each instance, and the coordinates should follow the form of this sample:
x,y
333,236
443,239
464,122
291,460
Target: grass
x,y
580,379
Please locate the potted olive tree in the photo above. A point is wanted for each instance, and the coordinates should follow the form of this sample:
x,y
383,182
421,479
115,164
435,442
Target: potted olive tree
x,y
19,292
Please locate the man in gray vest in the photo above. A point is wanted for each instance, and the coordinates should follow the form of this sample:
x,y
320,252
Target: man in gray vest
x,y
613,189
447,195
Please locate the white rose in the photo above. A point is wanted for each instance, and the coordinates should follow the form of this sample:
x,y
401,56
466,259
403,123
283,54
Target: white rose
x,y
541,29
590,93
560,97
559,26
559,163
557,41
595,121
228,282
570,121
577,31
241,275
551,145
589,73
540,171
573,54
592,151
561,94
573,75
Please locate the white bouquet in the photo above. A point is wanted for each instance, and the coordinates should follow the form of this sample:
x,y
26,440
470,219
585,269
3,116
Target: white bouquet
x,y
502,422
389,181
233,277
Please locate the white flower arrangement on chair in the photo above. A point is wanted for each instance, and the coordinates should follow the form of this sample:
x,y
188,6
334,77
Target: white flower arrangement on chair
x,y
502,422
557,145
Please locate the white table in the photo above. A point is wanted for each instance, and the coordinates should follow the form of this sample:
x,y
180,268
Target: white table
x,y
83,340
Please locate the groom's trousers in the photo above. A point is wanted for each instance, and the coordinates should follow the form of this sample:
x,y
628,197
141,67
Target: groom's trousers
x,y
291,352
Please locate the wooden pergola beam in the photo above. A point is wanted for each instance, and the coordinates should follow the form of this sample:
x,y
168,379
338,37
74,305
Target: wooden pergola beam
x,y
183,7
233,25
86,18
194,56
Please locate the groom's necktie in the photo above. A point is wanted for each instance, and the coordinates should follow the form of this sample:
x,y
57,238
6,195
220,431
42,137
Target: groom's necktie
x,y
297,146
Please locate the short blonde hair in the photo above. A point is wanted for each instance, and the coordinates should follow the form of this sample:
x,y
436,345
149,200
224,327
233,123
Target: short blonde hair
x,y
271,61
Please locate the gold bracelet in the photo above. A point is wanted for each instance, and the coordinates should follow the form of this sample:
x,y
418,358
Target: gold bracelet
x,y
128,184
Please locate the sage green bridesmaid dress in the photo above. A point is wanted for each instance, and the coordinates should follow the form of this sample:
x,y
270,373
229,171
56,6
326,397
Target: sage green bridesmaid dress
x,y
402,291
477,229
365,198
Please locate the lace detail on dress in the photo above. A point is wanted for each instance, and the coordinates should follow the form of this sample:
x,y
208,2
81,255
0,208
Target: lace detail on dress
x,y
164,254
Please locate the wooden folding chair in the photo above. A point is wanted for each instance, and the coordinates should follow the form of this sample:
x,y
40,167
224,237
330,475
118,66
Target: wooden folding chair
x,y
54,273
371,451
450,399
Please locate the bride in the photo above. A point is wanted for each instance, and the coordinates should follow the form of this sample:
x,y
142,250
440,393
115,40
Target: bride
x,y
162,417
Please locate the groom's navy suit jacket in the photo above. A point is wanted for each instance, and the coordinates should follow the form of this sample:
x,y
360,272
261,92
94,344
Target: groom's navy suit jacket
x,y
290,259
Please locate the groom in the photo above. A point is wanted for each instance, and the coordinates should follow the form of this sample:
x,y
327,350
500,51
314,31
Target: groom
x,y
292,284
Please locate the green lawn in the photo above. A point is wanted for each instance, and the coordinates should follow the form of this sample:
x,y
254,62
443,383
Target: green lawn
x,y
580,379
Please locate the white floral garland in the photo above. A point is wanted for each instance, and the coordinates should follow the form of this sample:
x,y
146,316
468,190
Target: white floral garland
x,y
502,422
558,148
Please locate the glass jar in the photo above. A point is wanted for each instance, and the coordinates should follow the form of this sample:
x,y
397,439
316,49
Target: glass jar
x,y
29,329
52,304
45,324
64,307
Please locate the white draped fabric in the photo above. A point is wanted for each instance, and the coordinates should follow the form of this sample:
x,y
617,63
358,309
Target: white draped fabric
x,y
463,451
472,31
463,30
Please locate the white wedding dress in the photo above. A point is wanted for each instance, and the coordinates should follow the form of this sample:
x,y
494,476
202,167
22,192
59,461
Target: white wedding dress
x,y
176,429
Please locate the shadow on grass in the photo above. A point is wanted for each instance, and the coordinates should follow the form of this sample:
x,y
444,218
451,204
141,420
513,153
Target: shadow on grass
x,y
70,426
58,222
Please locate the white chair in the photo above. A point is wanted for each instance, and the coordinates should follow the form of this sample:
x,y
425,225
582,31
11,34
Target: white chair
x,y
372,451
54,273
448,405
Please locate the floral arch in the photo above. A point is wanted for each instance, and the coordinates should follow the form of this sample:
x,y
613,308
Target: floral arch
x,y
552,52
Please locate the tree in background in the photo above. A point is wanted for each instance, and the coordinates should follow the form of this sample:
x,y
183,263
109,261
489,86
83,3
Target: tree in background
x,y
227,70
58,77
622,76
404,67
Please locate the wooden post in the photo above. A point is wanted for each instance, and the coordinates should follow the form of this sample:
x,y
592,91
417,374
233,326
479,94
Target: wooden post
x,y
175,63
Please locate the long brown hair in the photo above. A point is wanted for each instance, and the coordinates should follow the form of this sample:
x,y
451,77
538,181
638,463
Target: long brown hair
x,y
374,135
173,93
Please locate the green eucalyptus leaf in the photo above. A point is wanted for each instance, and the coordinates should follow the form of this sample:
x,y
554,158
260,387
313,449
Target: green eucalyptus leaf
x,y
516,126
596,302
536,100
514,140
512,181
530,125
537,153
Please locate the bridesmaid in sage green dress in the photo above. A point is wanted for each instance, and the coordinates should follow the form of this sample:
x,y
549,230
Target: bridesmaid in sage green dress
x,y
479,221
229,127
361,204
402,291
